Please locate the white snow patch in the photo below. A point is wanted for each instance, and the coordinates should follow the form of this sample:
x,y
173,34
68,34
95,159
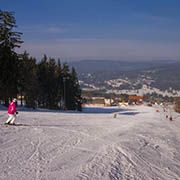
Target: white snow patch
x,y
137,143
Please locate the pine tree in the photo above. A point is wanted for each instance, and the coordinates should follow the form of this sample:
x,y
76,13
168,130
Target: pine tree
x,y
42,82
9,61
49,79
52,89
28,79
76,91
66,86
59,84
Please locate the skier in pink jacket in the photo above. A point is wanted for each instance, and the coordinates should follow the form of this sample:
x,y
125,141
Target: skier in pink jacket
x,y
12,112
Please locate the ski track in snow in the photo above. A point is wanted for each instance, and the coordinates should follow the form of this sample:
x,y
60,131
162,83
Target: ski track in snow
x,y
140,143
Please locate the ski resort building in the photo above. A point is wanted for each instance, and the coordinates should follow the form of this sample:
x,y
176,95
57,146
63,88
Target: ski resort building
x,y
135,99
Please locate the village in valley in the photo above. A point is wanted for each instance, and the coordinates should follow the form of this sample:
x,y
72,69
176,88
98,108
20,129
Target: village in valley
x,y
120,83
96,97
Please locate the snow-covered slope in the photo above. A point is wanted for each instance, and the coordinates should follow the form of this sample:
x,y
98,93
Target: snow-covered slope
x,y
139,143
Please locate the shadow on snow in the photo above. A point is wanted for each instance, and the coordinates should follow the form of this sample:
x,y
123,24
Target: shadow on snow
x,y
85,110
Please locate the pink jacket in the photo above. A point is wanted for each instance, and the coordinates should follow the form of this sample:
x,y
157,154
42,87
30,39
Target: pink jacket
x,y
12,108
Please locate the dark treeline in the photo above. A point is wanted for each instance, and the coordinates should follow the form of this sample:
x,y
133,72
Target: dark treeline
x,y
46,84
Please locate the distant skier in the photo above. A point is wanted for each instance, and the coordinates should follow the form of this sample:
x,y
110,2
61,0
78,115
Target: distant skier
x,y
12,112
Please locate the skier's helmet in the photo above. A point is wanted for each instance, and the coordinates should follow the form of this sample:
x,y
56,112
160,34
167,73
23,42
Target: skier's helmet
x,y
14,100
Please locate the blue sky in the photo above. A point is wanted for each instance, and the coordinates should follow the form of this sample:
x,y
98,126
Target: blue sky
x,y
99,29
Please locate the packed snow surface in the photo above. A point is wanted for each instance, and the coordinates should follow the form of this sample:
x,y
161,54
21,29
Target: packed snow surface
x,y
134,142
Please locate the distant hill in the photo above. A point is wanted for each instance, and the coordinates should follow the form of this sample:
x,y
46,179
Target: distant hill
x,y
91,66
165,74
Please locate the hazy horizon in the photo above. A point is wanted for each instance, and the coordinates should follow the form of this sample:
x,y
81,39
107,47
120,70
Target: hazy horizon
x,y
104,29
